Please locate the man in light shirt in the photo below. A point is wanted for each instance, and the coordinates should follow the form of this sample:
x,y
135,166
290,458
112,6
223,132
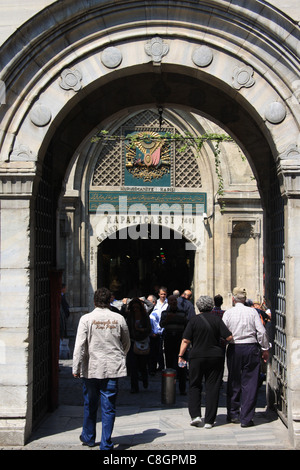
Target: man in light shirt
x,y
249,344
156,338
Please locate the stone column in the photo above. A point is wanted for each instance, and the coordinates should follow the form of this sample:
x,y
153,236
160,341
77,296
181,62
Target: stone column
x,y
16,349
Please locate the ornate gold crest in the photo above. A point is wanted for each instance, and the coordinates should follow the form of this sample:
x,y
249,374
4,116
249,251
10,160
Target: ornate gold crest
x,y
148,156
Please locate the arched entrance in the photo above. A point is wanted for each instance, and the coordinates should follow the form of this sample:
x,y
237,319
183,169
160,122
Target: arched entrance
x,y
137,267
56,102
105,97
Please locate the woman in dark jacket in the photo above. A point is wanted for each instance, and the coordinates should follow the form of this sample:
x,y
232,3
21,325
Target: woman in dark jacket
x,y
139,326
206,360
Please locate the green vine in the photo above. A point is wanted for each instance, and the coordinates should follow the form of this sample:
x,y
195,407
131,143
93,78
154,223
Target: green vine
x,y
186,140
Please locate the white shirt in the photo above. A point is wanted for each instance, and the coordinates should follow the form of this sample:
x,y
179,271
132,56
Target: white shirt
x,y
155,316
245,325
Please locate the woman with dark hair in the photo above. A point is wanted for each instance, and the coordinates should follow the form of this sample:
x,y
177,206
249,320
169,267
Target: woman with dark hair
x,y
206,360
139,326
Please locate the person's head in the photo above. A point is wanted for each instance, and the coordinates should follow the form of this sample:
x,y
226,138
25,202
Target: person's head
x,y
218,299
172,302
162,293
239,295
152,299
136,306
102,297
205,303
176,293
187,294
257,305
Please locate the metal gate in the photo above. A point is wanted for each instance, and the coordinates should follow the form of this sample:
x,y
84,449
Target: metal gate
x,y
44,227
278,300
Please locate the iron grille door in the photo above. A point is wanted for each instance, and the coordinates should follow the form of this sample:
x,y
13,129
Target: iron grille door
x,y
279,363
44,226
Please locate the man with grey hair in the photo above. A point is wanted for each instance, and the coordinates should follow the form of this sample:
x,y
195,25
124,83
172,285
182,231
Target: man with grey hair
x,y
206,360
249,344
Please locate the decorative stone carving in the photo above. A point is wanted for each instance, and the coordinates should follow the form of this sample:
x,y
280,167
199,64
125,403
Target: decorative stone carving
x,y
242,77
202,56
244,227
243,230
111,57
296,92
275,112
40,115
291,153
71,80
157,49
22,153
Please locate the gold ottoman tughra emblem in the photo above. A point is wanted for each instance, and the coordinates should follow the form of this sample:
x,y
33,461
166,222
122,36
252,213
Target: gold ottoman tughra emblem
x,y
148,156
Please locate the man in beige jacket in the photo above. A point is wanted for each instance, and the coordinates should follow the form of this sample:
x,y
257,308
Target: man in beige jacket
x,y
99,358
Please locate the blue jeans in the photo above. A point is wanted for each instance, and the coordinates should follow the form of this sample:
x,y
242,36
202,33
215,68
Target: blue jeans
x,y
94,390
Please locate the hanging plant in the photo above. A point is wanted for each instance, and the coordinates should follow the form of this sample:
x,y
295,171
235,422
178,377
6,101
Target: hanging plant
x,y
186,140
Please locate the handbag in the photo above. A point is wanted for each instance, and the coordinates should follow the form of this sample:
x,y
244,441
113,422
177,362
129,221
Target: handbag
x,y
141,347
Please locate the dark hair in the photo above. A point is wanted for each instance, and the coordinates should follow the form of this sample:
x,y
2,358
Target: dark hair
x,y
164,289
136,301
102,297
218,299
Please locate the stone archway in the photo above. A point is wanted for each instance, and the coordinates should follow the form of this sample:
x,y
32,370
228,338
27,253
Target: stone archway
x,y
82,75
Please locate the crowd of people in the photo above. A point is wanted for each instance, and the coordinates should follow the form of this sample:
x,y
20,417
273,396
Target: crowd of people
x,y
141,336
158,321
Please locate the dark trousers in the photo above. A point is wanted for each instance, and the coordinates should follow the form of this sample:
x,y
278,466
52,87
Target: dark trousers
x,y
211,369
156,353
243,362
138,368
172,346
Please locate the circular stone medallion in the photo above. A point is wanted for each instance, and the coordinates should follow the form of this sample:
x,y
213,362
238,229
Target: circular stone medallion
x,y
202,56
40,115
111,57
275,112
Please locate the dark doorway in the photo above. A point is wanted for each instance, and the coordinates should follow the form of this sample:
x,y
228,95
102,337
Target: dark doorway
x,y
136,267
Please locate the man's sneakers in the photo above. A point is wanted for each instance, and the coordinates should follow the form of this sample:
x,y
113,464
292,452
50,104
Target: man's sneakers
x,y
197,422
247,425
89,444
208,426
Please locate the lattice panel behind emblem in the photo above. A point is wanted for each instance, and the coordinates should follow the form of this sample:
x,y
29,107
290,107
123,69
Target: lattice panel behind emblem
x,y
108,169
187,174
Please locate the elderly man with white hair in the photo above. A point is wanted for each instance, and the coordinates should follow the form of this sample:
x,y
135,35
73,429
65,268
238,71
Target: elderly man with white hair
x,y
249,344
